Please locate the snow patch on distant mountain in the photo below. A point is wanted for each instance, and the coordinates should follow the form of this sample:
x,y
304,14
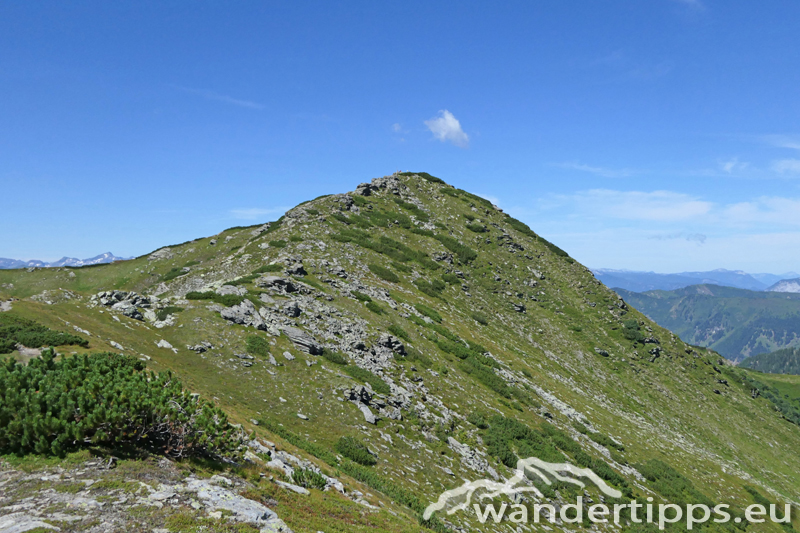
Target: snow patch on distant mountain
x,y
107,257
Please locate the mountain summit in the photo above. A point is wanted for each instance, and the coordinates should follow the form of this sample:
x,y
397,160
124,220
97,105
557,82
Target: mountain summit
x,y
385,345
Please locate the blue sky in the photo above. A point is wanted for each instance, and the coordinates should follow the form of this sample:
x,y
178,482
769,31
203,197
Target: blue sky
x,y
650,135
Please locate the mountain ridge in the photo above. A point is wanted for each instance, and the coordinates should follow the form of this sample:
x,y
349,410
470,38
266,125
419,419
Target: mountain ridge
x,y
642,281
103,258
446,337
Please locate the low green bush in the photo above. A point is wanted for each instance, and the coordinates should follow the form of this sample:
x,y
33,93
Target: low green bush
x,y
470,217
15,329
308,479
163,313
257,345
375,308
269,268
314,212
631,331
478,419
433,288
428,312
360,296
464,253
383,273
355,451
417,357
173,273
452,279
118,403
424,175
278,244
480,318
227,300
334,357
362,374
360,201
242,281
477,228
419,213
399,332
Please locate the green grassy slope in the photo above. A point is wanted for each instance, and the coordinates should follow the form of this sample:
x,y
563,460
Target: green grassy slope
x,y
496,286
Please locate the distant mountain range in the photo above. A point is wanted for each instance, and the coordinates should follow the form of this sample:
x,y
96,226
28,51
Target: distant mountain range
x,y
649,281
737,323
107,257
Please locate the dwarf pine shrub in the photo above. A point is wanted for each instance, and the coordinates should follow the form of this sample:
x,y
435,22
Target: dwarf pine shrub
x,y
15,329
52,407
355,451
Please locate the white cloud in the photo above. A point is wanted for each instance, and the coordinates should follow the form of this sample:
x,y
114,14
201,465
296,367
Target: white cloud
x,y
662,206
255,213
447,128
783,141
732,165
699,238
396,127
600,171
773,211
787,166
211,95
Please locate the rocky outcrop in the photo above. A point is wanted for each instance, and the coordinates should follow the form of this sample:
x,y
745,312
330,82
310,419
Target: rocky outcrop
x,y
244,314
302,340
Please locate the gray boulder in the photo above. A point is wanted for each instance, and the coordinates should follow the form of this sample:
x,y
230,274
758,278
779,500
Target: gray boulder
x,y
302,340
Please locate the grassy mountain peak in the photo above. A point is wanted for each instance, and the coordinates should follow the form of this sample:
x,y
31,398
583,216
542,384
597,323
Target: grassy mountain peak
x,y
409,335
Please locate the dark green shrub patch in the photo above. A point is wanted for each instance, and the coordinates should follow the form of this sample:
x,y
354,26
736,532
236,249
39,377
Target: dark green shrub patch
x,y
478,419
269,268
334,357
278,244
15,329
355,451
417,357
364,375
257,345
433,288
480,318
163,313
417,212
308,479
227,300
173,273
484,374
360,296
428,312
383,273
465,254
399,332
375,308
243,280
119,403
630,330
424,175
477,228
452,279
